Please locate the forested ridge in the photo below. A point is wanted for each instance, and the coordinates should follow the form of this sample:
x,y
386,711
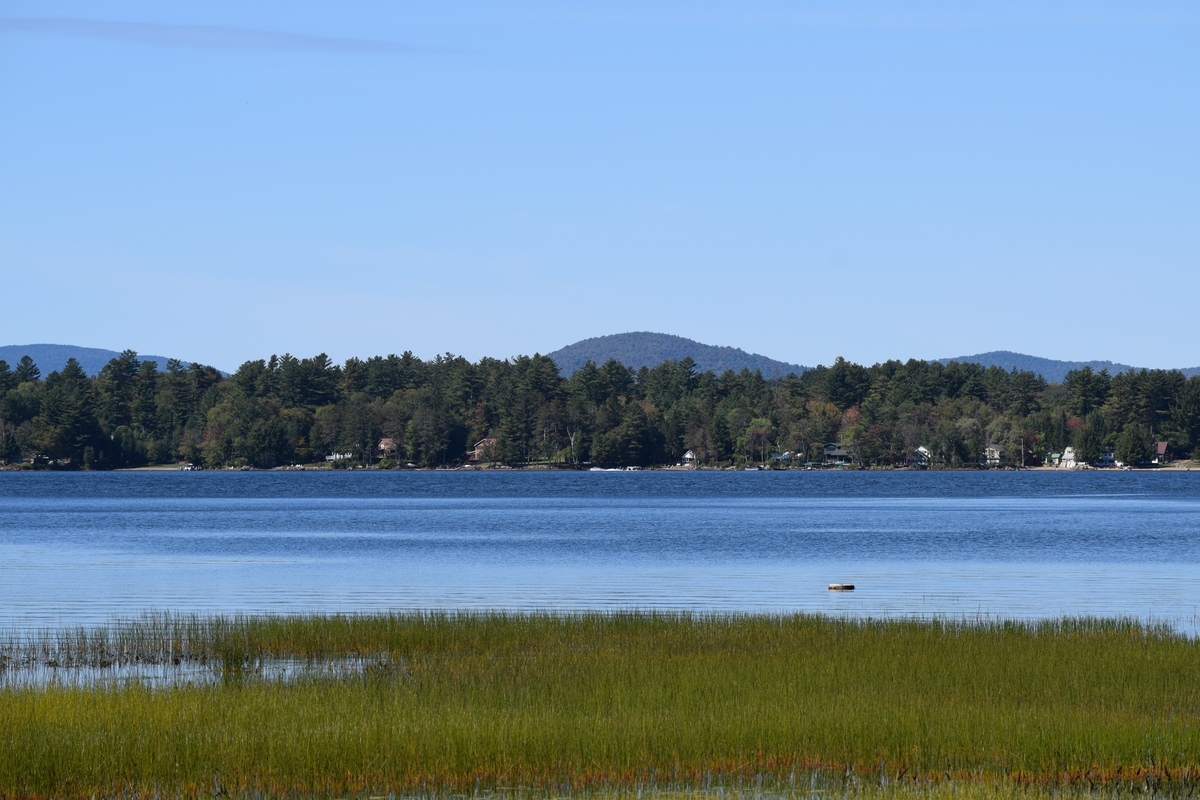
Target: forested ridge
x,y
50,357
286,410
643,348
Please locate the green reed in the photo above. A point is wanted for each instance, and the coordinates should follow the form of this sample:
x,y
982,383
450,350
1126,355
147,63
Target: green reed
x,y
454,702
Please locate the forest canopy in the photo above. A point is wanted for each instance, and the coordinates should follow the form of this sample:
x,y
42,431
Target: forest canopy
x,y
286,410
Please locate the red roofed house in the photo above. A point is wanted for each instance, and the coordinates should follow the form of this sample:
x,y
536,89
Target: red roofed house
x,y
484,450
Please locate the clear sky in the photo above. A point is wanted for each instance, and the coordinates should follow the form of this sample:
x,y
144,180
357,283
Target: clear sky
x,y
221,181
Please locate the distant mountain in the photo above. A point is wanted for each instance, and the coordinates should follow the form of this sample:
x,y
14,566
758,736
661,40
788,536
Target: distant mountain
x,y
1048,368
651,349
53,357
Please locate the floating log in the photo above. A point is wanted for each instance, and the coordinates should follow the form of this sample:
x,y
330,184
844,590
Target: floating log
x,y
841,587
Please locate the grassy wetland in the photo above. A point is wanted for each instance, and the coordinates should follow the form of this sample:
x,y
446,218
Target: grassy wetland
x,y
597,704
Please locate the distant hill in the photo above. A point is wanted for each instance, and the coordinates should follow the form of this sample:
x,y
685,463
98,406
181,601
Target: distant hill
x,y
651,349
53,357
1048,368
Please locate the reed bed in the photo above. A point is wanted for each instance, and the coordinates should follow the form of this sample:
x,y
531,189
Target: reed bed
x,y
453,703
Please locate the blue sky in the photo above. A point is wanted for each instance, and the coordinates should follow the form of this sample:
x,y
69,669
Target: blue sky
x,y
221,181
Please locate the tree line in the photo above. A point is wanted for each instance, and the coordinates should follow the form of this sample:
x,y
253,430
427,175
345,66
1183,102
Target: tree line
x,y
287,410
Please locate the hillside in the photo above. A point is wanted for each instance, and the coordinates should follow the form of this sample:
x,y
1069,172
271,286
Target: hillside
x,y
651,349
52,357
1048,368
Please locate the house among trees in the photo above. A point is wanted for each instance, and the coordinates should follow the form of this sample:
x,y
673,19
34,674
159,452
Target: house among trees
x,y
402,410
1068,459
1108,458
484,450
836,455
386,448
920,457
689,459
993,454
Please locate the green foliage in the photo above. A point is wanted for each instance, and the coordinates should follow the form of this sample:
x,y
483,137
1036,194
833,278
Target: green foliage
x,y
286,409
455,703
1185,417
1088,439
67,428
1134,445
27,371
53,357
1050,369
1086,390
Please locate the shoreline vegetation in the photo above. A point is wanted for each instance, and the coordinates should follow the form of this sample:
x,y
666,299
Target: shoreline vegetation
x,y
1182,465
399,411
622,704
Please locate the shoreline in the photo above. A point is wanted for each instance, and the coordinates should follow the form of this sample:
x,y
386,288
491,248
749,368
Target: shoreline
x,y
1178,466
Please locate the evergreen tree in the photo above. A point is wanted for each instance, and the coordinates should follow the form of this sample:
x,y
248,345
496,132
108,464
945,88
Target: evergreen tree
x,y
1086,390
144,407
845,384
1088,439
1134,445
69,429
27,371
115,386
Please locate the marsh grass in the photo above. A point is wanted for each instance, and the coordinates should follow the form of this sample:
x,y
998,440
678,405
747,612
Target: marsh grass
x,y
594,703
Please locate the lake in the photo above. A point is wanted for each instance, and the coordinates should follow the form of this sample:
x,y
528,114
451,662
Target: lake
x,y
82,548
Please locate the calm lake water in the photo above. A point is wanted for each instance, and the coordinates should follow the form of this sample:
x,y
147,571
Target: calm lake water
x,y
83,548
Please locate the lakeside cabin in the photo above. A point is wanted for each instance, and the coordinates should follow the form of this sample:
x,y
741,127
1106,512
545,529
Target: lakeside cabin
x,y
920,457
836,455
484,450
1068,459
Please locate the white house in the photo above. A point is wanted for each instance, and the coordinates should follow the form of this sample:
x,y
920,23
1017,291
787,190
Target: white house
x,y
993,454
1068,459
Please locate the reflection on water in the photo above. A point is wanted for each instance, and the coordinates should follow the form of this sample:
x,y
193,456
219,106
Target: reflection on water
x,y
40,674
79,549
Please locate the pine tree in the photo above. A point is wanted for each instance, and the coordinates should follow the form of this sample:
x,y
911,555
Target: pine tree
x,y
27,371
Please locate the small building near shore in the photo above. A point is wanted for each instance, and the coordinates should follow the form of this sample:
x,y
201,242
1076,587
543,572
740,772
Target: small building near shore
x,y
1108,458
484,450
993,455
1068,459
836,455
